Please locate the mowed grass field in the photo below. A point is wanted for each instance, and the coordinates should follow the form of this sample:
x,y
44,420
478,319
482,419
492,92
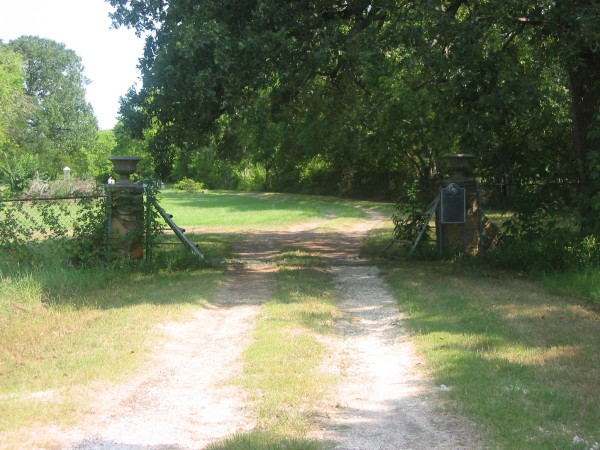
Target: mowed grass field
x,y
518,356
229,211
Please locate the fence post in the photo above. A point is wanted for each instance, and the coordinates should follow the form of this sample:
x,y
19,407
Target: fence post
x,y
148,223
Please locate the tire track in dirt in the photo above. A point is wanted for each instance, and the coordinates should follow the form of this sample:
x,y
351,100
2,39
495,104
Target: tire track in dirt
x,y
383,401
184,398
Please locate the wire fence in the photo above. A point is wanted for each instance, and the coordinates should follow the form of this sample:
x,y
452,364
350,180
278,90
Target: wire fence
x,y
80,228
525,210
39,229
42,228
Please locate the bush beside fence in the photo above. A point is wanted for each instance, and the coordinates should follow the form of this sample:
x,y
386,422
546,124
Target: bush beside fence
x,y
539,225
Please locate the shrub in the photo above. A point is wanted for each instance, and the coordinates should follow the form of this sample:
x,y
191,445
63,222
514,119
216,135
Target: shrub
x,y
90,243
410,216
543,241
542,236
187,184
18,173
252,177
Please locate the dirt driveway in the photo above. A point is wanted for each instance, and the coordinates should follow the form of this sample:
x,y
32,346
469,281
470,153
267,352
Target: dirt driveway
x,y
183,399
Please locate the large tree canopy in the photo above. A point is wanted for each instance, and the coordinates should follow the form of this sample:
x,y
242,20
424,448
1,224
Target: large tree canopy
x,y
366,95
14,103
63,124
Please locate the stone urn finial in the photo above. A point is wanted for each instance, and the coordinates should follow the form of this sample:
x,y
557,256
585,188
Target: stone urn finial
x,y
124,166
459,163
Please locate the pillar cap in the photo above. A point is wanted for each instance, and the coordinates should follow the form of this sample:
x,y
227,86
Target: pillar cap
x,y
459,163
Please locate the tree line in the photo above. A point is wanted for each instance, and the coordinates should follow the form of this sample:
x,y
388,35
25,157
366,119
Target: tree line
x,y
354,97
45,121
363,97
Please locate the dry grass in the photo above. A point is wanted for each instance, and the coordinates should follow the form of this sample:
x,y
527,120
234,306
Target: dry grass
x,y
58,342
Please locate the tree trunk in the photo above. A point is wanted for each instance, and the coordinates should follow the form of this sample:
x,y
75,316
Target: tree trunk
x,y
585,95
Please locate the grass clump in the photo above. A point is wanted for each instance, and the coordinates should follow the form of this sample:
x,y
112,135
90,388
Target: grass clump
x,y
257,440
552,252
187,184
297,258
522,363
583,284
282,366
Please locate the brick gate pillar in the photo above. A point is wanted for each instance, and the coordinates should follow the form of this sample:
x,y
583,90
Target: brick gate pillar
x,y
126,220
462,232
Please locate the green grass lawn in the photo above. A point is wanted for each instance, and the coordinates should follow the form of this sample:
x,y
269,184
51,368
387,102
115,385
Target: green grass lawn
x,y
237,211
520,361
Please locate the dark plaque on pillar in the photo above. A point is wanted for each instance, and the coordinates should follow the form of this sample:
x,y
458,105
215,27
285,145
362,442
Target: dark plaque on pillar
x,y
453,206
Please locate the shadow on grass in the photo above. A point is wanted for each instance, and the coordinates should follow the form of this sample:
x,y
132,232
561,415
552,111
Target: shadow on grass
x,y
110,289
522,362
174,276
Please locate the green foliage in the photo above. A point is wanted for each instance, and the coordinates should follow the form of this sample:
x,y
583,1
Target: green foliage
x,y
44,113
18,172
410,216
553,253
126,144
319,176
532,221
205,165
542,234
187,184
97,164
251,177
90,244
231,101
361,99
15,106
592,222
63,128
